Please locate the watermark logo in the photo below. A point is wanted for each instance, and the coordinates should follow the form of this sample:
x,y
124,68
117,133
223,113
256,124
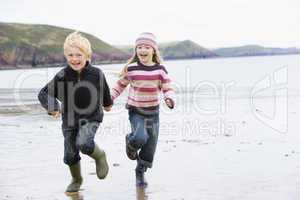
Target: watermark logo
x,y
275,84
268,99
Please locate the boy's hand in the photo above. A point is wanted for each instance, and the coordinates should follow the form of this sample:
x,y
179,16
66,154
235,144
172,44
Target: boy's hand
x,y
107,108
170,103
55,114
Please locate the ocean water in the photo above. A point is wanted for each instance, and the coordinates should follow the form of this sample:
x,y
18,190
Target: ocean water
x,y
212,78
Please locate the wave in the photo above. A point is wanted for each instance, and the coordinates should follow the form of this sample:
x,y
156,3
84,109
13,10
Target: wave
x,y
25,100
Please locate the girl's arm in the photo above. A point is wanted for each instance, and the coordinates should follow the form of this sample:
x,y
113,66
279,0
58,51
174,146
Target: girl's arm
x,y
119,87
167,90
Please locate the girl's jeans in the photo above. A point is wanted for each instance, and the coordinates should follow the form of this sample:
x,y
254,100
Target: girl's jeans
x,y
79,139
144,136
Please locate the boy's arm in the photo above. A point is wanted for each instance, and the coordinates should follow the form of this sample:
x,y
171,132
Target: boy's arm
x,y
119,87
47,97
107,101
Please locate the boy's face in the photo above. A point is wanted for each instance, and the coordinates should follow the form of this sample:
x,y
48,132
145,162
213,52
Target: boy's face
x,y
76,58
145,54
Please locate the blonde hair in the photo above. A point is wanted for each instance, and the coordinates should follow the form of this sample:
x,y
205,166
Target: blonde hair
x,y
156,59
75,39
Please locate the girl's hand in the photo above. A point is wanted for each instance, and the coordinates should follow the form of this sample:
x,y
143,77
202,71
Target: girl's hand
x,y
170,103
55,114
107,108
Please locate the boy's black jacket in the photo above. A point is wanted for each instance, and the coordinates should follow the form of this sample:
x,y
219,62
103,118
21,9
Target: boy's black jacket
x,y
81,95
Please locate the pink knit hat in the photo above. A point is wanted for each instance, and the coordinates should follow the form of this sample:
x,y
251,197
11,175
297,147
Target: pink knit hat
x,y
148,39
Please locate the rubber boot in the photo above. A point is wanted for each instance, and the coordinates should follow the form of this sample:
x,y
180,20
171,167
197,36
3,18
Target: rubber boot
x,y
101,164
130,151
140,175
76,182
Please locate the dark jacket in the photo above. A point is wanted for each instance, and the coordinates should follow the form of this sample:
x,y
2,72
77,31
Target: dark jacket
x,y
81,95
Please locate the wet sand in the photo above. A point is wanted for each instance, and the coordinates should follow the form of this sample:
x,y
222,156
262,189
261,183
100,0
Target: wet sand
x,y
196,158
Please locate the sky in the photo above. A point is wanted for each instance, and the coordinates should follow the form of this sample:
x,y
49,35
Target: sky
x,y
210,23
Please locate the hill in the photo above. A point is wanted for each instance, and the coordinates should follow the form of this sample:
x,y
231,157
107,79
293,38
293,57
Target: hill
x,y
41,45
178,50
185,49
254,50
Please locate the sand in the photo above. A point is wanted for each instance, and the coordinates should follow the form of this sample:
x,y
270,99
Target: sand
x,y
222,156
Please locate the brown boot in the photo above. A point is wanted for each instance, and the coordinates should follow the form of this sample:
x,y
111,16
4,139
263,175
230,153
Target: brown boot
x,y
130,151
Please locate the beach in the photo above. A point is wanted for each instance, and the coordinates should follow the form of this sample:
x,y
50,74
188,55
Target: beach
x,y
249,161
242,145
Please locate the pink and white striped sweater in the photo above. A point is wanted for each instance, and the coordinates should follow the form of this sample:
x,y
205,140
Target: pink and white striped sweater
x,y
146,83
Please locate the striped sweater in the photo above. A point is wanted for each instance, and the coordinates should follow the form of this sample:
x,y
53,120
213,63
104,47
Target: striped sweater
x,y
146,83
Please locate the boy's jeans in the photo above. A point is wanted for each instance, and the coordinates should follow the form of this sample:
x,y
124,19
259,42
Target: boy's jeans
x,y
144,136
79,139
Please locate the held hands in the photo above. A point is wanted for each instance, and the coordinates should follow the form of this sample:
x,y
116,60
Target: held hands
x,y
55,114
170,103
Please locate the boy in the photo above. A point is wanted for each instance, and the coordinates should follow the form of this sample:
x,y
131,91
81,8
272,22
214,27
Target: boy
x,y
82,90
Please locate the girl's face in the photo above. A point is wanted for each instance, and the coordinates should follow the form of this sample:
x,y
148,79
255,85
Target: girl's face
x,y
145,54
76,58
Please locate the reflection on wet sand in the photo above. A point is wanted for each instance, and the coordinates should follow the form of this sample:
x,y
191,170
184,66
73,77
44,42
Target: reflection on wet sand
x,y
74,195
140,193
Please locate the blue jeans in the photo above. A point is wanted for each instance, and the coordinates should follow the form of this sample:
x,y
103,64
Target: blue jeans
x,y
79,139
144,136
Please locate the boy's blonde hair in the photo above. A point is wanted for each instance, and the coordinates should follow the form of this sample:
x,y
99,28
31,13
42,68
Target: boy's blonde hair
x,y
77,40
156,59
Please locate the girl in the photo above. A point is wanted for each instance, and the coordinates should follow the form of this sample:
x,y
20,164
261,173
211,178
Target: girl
x,y
147,78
